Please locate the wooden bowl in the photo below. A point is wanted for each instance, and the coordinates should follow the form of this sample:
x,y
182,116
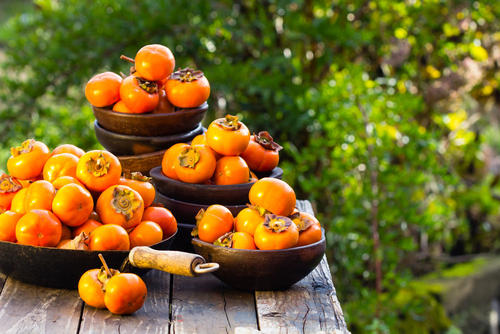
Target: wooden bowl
x,y
120,144
262,270
236,194
185,212
141,162
148,124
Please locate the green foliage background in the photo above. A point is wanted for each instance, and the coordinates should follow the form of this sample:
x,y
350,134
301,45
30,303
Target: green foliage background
x,y
386,110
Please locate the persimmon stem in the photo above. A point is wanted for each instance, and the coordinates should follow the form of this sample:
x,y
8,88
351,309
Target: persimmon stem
x,y
130,60
105,265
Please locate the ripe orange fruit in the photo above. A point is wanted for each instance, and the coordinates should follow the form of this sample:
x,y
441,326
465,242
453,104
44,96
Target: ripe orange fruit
x,y
17,204
73,204
276,232
109,237
26,161
262,153
139,95
39,228
90,289
87,227
9,187
58,165
39,196
103,89
195,164
247,220
68,148
125,293
187,88
274,195
147,233
141,184
120,205
64,180
231,170
162,217
228,136
8,222
98,170
154,62
169,158
213,222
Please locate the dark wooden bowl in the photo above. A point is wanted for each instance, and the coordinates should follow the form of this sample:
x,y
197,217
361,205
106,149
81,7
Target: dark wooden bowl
x,y
235,194
120,144
148,124
262,270
185,212
141,162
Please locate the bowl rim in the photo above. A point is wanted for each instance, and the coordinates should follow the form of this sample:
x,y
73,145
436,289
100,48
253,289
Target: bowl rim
x,y
109,111
198,129
192,203
157,171
255,251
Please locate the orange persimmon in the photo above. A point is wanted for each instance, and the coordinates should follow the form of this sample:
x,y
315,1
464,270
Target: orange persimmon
x,y
120,205
27,161
274,195
231,170
262,153
98,170
39,196
276,232
162,217
142,185
73,204
63,164
39,228
195,164
228,136
103,89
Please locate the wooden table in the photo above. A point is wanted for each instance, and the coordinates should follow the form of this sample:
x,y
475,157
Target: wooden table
x,y
177,304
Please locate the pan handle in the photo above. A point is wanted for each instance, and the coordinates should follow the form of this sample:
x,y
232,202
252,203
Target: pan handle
x,y
174,262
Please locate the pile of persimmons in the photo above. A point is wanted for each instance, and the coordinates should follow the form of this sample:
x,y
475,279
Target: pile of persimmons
x,y
152,85
73,199
270,222
226,154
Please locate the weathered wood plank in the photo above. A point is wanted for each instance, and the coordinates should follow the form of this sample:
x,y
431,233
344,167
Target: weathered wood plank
x,y
309,306
205,305
153,317
27,308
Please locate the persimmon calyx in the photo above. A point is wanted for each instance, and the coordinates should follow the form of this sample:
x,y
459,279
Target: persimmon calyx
x,y
25,147
137,176
225,240
8,184
98,166
186,75
125,202
151,87
277,224
189,157
199,217
79,242
302,223
263,212
229,122
266,141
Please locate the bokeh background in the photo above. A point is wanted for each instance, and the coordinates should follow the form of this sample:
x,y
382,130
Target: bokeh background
x,y
388,112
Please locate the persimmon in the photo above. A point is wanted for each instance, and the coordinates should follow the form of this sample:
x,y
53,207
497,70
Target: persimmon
x,y
109,237
90,288
213,222
121,107
154,62
98,170
125,293
199,140
63,164
39,228
17,204
120,205
169,158
139,95
27,161
73,204
68,148
231,170
142,185
164,105
262,153
276,232
228,136
274,195
8,222
195,164
87,227
103,89
308,226
187,88
239,240
26,183
248,219
9,187
162,217
147,233
39,196
64,180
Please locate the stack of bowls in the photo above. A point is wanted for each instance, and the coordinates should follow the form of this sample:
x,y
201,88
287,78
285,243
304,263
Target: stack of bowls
x,y
186,199
140,140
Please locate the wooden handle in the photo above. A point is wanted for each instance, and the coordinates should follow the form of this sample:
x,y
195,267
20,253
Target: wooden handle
x,y
174,262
